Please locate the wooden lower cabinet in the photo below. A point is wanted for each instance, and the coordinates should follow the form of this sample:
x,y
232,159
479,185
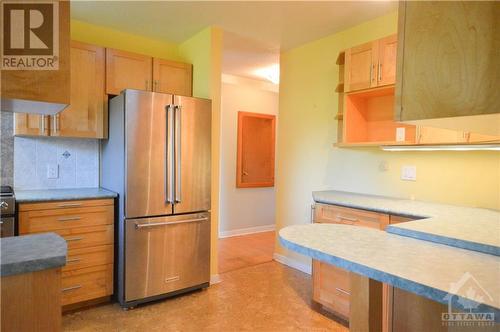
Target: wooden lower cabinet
x,y
331,284
87,226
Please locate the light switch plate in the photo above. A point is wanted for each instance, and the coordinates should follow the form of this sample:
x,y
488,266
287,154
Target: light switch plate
x,y
400,134
52,171
409,173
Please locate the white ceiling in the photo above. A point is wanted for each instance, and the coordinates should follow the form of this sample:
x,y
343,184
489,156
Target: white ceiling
x,y
255,31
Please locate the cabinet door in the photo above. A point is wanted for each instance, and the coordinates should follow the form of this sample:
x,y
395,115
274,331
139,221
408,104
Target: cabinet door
x,y
448,61
387,51
360,67
481,138
31,124
172,77
431,135
125,70
85,117
332,288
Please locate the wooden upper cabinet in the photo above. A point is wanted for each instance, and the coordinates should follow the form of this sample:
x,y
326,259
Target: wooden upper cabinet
x,y
371,65
31,124
431,135
360,66
125,70
86,116
256,146
172,77
387,55
50,86
448,64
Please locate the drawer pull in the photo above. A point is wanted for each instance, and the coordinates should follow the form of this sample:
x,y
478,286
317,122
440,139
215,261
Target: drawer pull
x,y
348,218
77,238
172,279
73,260
342,291
67,289
70,205
69,218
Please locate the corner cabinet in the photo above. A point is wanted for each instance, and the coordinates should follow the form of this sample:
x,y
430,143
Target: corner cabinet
x,y
86,116
448,61
126,70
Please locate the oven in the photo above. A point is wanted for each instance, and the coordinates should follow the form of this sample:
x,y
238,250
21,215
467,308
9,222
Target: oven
x,y
7,211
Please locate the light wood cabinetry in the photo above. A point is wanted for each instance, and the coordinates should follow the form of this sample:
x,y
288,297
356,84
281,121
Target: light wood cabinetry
x,y
126,70
371,64
331,284
52,86
31,301
87,227
172,77
31,124
447,68
87,114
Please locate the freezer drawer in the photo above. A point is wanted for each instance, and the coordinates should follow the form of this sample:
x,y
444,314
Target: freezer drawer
x,y
165,254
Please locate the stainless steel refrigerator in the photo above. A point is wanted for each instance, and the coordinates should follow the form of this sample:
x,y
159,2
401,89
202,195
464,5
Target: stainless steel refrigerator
x,y
157,158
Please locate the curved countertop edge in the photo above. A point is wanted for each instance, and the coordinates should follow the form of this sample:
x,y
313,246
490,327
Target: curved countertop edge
x,y
463,244
70,194
399,282
31,253
405,207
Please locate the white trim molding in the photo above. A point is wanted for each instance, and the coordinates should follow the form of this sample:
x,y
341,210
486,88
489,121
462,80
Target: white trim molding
x,y
214,279
293,263
246,231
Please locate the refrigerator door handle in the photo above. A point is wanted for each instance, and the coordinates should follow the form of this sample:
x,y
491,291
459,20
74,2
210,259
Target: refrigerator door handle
x,y
169,156
178,147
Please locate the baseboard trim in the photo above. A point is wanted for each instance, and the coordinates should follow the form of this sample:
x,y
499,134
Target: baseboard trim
x,y
293,263
246,231
214,279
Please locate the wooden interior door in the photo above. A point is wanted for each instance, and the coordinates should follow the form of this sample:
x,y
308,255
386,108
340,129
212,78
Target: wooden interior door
x,y
172,77
85,117
125,70
387,54
31,124
360,67
256,147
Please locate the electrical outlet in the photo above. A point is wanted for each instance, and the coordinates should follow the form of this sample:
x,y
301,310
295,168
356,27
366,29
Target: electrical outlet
x,y
409,173
52,171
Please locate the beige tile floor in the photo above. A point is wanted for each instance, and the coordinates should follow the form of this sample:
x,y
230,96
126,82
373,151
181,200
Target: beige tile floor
x,y
264,297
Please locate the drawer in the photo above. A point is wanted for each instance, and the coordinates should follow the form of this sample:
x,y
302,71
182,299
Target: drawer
x,y
341,215
331,288
83,237
86,284
64,204
51,220
87,257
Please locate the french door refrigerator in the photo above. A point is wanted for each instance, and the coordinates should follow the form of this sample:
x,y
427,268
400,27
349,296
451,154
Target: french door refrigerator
x,y
157,158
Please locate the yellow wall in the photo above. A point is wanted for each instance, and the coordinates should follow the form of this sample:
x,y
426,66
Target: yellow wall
x,y
307,161
104,36
204,51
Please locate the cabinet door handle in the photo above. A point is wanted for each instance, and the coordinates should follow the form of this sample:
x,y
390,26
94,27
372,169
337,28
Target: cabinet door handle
x,y
77,238
348,218
342,291
73,260
71,288
146,84
371,73
69,218
380,72
42,124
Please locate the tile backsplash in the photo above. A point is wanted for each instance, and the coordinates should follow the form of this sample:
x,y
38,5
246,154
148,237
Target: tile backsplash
x,y
76,162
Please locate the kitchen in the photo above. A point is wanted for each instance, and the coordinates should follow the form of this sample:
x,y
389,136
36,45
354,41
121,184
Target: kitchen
x,y
324,141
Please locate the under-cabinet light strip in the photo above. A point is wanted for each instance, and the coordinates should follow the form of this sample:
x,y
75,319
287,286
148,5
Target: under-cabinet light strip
x,y
484,147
